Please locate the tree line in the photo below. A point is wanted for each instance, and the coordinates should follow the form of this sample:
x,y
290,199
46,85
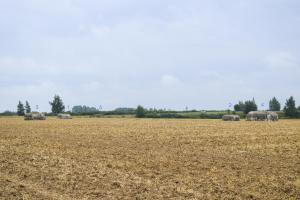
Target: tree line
x,y
289,109
57,106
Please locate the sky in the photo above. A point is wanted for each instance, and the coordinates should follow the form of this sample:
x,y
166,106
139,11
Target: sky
x,y
168,54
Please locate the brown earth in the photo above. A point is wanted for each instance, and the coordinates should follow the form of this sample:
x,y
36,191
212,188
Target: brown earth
x,y
149,159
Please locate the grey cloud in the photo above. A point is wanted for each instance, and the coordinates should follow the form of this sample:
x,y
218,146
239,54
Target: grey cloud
x,y
124,53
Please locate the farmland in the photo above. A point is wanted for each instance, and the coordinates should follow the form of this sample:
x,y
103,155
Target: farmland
x,y
149,159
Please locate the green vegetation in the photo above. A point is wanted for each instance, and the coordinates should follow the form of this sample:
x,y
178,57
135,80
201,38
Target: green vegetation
x,y
274,105
246,107
290,108
27,107
84,109
241,108
140,112
183,115
20,109
8,113
57,105
250,105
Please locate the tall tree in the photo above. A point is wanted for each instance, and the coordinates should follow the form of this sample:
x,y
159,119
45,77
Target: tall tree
x,y
140,112
239,107
20,109
27,107
290,109
250,105
57,105
274,105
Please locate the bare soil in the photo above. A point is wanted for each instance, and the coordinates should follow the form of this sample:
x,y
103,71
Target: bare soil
x,y
149,159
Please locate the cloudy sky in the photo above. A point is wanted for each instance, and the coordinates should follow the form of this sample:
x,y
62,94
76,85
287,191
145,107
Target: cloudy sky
x,y
158,53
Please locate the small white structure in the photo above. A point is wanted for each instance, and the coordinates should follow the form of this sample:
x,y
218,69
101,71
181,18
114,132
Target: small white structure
x,y
64,116
231,118
34,116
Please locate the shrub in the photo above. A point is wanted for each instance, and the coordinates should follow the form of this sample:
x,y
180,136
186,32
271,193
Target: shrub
x,y
140,112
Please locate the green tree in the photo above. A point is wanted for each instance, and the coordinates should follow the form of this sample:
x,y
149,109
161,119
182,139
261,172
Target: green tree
x,y
20,109
140,112
250,105
57,105
274,105
290,109
239,107
27,107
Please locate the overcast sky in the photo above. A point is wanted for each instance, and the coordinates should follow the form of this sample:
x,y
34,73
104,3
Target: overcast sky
x,y
157,53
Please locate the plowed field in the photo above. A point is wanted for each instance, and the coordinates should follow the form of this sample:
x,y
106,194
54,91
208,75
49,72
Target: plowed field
x,y
149,159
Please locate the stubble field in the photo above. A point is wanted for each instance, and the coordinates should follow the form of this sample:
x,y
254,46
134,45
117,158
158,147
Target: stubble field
x,y
149,159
